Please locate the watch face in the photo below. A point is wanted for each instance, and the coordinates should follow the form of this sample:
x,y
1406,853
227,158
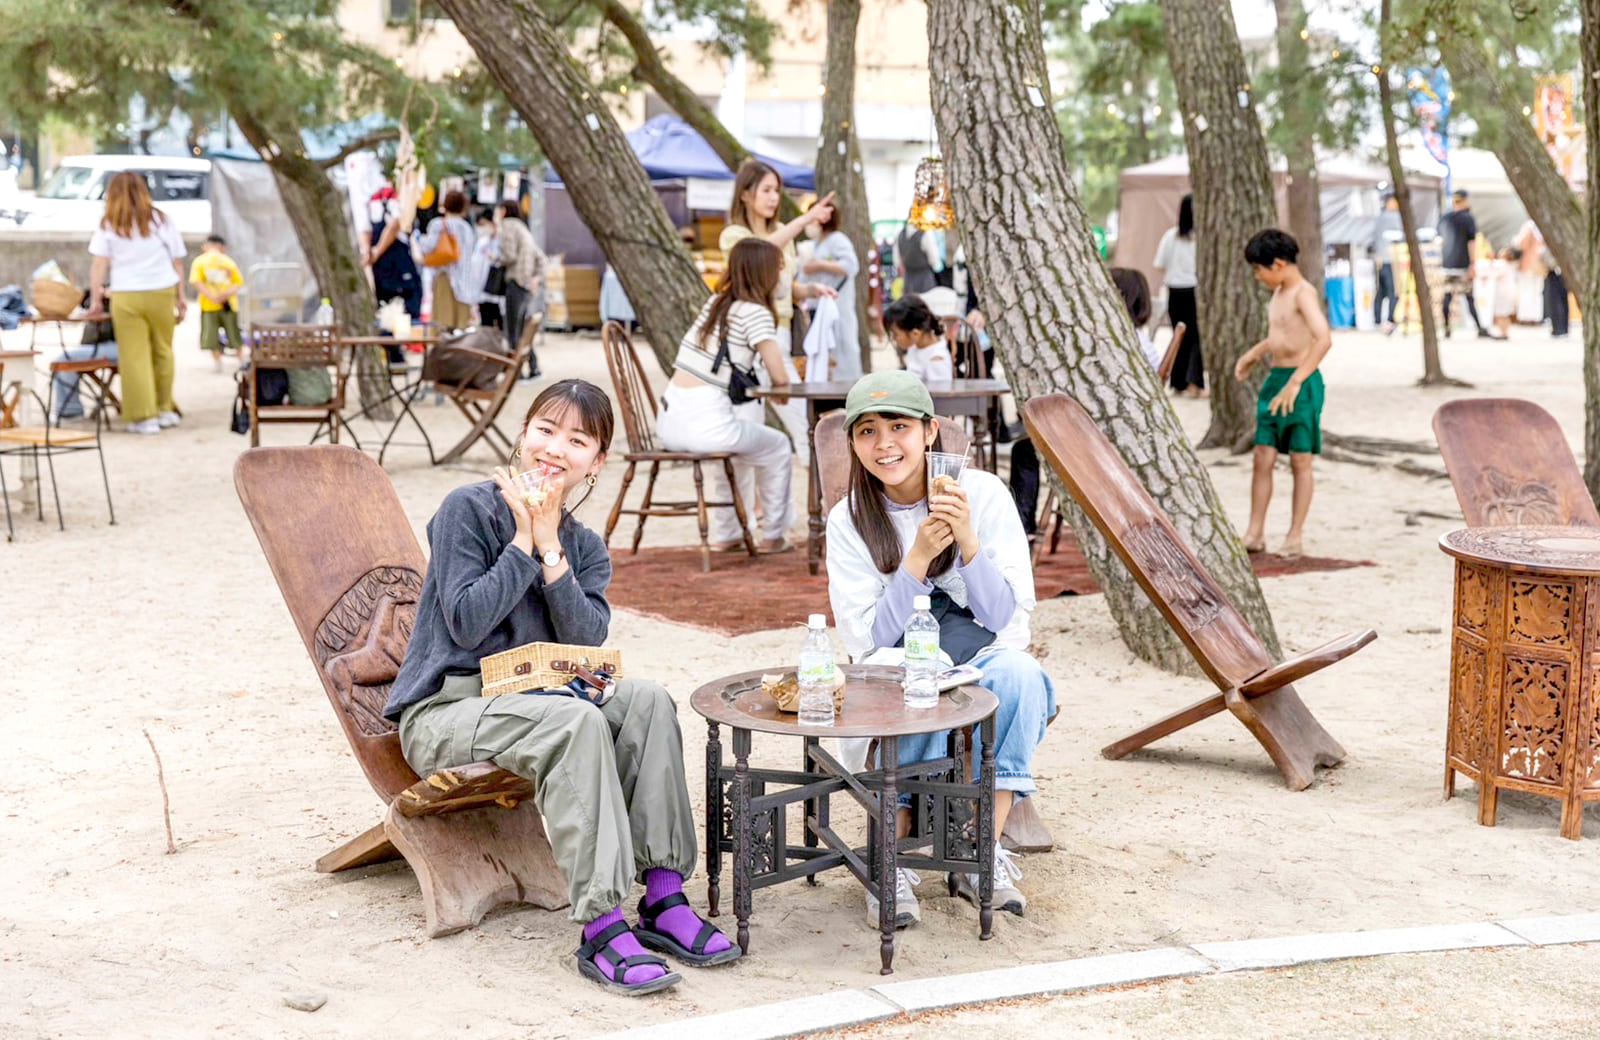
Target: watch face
x,y
551,558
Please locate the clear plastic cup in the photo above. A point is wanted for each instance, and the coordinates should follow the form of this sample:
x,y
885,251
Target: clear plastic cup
x,y
534,485
944,464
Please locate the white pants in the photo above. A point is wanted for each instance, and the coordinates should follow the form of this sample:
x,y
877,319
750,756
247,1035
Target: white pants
x,y
793,413
702,419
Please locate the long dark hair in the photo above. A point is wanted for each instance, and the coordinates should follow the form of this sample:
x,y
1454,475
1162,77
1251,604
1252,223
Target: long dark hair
x,y
871,519
754,266
912,314
751,174
595,417
1135,292
1186,217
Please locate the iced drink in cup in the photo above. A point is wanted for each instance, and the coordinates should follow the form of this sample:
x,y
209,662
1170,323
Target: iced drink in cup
x,y
944,469
534,485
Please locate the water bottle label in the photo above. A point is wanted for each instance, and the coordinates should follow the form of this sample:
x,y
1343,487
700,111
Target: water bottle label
x,y
817,672
922,646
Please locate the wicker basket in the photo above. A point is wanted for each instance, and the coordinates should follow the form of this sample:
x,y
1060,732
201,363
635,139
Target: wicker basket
x,y
55,300
544,666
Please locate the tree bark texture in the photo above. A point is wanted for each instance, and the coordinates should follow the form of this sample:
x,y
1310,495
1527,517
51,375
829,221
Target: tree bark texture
x,y
1300,154
579,135
1059,324
1544,194
1589,42
839,157
1232,186
1432,369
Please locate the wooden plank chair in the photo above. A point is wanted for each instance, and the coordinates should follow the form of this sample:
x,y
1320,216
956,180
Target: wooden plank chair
x,y
482,405
968,362
1025,829
298,347
637,402
1256,690
46,442
350,571
1510,464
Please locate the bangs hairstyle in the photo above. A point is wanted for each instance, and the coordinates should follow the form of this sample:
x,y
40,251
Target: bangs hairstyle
x,y
1135,293
1271,245
592,407
751,174
128,206
754,266
912,314
871,517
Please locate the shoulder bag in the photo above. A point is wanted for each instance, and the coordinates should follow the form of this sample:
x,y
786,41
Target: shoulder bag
x,y
740,380
445,252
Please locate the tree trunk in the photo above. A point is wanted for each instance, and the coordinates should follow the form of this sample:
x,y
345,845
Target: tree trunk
x,y
1059,324
1546,197
609,189
1432,370
1305,194
1232,186
839,157
1590,47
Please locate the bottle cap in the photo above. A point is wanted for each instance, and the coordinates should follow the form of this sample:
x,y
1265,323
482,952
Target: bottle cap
x,y
817,621
921,603
327,299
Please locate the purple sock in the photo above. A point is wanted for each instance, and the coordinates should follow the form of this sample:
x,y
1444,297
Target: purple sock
x,y
624,945
681,922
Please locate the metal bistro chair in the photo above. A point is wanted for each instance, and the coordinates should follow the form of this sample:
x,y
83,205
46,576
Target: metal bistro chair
x,y
299,347
46,442
637,403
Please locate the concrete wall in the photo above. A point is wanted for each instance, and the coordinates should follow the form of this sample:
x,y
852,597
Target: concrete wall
x,y
21,251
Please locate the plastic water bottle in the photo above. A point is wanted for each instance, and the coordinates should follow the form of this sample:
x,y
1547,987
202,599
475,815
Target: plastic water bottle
x,y
922,656
324,315
816,674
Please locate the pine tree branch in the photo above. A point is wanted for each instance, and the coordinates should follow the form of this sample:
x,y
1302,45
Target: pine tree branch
x,y
360,144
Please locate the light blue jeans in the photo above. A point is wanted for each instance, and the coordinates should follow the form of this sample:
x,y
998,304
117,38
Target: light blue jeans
x,y
64,399
1027,700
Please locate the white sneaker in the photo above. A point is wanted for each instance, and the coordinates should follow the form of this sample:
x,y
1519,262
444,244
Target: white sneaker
x,y
906,910
1007,896
166,419
145,426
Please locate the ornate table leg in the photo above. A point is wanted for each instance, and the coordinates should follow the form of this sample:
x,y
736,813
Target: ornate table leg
x,y
811,803
741,835
713,817
986,836
888,856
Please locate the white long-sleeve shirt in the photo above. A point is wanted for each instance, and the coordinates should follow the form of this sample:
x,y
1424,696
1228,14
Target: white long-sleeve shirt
x,y
855,585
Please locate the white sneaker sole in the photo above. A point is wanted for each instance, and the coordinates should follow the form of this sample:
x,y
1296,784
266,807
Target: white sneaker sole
x,y
1011,900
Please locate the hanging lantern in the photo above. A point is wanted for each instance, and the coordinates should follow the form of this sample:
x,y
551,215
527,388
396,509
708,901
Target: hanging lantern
x,y
930,207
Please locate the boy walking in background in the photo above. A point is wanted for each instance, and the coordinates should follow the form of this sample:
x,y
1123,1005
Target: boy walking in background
x,y
216,277
1289,408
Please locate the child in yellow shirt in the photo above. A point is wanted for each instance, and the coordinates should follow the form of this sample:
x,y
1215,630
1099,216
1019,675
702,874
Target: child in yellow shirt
x,y
216,277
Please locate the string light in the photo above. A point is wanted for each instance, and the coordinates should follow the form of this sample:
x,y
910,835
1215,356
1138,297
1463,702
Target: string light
x,y
1377,70
1155,111
822,89
1336,52
1305,34
1111,109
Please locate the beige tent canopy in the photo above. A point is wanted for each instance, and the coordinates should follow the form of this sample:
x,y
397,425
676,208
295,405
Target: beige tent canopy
x,y
1150,194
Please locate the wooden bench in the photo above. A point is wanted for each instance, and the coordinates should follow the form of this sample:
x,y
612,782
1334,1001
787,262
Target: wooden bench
x,y
1257,690
350,571
1510,464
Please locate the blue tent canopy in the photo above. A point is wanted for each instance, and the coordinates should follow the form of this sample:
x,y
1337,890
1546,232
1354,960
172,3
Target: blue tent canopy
x,y
670,149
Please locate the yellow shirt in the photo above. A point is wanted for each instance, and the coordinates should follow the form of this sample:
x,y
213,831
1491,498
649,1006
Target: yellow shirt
x,y
783,298
215,271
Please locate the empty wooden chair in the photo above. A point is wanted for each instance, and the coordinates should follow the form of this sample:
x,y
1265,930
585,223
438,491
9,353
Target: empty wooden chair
x,y
1510,464
1254,688
350,571
482,394
637,402
45,442
290,347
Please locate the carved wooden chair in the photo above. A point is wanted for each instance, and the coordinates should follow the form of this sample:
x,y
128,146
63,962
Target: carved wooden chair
x,y
637,402
482,405
1258,691
298,347
1510,464
350,571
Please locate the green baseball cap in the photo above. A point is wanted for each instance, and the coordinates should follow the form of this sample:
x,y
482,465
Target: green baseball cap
x,y
895,392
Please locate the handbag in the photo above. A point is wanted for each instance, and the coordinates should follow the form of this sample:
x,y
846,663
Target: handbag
x,y
740,380
239,421
589,672
445,252
494,284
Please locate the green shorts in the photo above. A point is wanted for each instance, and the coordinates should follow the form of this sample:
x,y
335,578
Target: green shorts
x,y
211,322
1300,431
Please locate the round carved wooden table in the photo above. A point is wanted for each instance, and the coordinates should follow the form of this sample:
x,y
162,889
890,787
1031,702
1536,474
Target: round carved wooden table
x,y
746,805
1524,647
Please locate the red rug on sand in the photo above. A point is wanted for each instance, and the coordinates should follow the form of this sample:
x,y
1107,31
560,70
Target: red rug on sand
x,y
742,595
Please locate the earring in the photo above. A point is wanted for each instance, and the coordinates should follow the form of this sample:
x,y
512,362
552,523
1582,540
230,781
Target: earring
x,y
591,480
516,459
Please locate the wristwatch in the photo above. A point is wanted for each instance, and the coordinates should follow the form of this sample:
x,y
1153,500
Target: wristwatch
x,y
551,557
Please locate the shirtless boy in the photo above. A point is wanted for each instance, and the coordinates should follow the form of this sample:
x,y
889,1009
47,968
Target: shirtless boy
x,y
1289,409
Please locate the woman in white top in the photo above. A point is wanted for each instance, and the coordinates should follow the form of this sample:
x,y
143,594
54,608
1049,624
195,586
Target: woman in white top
x,y
1175,261
834,264
143,253
888,543
735,327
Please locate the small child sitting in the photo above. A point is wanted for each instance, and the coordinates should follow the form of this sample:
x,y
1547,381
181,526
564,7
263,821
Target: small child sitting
x,y
919,335
1135,292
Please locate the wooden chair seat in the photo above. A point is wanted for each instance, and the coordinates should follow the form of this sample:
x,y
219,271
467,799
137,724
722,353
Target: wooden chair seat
x,y
44,443
350,570
1509,463
46,435
637,402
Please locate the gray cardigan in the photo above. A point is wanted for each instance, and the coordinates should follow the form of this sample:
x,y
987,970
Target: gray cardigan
x,y
483,595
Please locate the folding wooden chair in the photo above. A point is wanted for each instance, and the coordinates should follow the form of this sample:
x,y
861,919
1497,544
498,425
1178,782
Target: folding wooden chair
x,y
350,571
1254,688
482,405
1510,464
290,347
637,402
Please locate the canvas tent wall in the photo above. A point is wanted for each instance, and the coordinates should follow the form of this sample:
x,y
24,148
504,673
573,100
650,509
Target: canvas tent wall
x,y
1150,194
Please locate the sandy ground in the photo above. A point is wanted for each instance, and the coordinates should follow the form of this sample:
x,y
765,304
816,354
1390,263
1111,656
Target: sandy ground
x,y
169,622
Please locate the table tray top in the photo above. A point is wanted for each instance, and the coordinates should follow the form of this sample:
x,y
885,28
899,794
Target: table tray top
x,y
1542,550
874,705
841,389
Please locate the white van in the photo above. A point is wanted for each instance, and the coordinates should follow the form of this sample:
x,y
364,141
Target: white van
x,y
73,197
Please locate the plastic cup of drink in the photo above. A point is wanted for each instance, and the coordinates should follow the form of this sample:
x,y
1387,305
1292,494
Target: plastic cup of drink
x,y
534,485
944,464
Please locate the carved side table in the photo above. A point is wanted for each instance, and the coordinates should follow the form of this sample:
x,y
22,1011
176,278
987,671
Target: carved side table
x,y
1525,644
746,805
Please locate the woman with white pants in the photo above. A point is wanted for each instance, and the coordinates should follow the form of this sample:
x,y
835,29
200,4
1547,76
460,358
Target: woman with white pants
x,y
736,326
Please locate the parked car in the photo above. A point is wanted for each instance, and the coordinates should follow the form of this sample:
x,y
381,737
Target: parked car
x,y
73,197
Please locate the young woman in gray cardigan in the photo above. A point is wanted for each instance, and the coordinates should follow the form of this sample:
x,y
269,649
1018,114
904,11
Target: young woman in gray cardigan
x,y
610,775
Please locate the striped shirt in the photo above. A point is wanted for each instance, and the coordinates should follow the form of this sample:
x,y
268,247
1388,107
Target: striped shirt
x,y
749,325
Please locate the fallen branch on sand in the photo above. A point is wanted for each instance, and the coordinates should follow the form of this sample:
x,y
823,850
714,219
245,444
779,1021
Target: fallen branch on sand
x,y
166,806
